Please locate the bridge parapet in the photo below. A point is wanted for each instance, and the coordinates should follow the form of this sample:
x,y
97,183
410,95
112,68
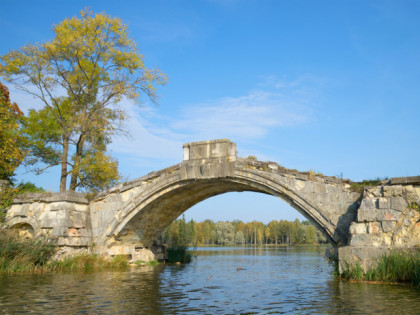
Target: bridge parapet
x,y
222,150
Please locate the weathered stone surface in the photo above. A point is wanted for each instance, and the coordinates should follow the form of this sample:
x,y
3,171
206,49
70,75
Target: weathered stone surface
x,y
398,203
387,215
366,215
367,204
374,227
411,180
358,228
392,191
388,226
383,203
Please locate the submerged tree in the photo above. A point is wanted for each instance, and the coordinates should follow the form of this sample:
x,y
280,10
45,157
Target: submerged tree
x,y
80,76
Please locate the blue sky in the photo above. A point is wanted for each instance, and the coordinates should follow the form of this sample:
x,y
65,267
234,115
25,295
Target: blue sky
x,y
331,86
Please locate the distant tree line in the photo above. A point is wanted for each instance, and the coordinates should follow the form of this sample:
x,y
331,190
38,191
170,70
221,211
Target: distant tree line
x,y
208,232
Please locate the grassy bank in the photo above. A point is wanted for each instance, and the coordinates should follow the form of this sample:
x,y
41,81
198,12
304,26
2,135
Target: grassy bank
x,y
392,268
23,255
36,255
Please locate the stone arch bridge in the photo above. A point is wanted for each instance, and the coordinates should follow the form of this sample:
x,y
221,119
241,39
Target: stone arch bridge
x,y
128,218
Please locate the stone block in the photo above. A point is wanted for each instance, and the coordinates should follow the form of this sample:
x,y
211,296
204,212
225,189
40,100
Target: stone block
x,y
383,203
74,241
375,240
78,219
59,231
405,180
374,191
367,204
411,193
374,227
361,240
74,232
392,191
387,215
358,228
366,215
398,203
222,148
388,226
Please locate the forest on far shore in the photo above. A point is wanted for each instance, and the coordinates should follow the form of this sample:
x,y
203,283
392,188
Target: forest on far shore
x,y
227,233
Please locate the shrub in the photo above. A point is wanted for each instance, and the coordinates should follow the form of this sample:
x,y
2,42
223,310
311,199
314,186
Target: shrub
x,y
179,254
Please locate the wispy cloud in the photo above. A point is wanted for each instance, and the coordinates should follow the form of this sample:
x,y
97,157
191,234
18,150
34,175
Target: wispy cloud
x,y
146,140
250,116
275,103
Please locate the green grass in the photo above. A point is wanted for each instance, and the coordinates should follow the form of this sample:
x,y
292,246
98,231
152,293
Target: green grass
x,y
358,186
179,254
89,262
22,255
154,262
392,268
36,255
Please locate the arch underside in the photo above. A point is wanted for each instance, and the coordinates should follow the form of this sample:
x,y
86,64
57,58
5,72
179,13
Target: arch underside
x,y
147,219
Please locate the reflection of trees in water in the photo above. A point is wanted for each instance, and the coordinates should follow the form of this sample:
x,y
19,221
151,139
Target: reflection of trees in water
x,y
258,250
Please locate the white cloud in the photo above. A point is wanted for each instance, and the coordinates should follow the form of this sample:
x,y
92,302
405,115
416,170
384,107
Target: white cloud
x,y
145,140
277,103
250,116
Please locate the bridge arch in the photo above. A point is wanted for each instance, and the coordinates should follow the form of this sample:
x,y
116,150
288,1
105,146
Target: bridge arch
x,y
162,198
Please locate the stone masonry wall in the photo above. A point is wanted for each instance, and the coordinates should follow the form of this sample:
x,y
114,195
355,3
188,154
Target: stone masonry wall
x,y
388,219
63,217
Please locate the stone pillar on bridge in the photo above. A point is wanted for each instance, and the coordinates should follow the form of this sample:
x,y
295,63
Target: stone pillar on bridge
x,y
222,150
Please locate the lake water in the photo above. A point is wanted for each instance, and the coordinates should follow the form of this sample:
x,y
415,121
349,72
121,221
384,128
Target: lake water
x,y
275,280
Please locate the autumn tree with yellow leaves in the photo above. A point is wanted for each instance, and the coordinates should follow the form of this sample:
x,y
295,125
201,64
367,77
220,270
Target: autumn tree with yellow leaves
x,y
80,77
12,152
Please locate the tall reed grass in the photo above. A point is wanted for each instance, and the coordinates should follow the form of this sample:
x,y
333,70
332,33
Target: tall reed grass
x,y
395,267
36,254
21,255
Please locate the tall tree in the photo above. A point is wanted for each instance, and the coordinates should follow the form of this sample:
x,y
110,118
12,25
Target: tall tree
x,y
11,140
80,76
12,150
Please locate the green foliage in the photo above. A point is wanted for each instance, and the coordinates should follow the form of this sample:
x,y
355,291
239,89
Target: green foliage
x,y
153,262
395,267
359,186
353,272
80,76
179,254
89,262
240,233
28,187
18,254
6,196
414,205
11,139
97,171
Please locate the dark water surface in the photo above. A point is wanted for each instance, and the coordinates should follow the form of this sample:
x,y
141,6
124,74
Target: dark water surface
x,y
275,280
